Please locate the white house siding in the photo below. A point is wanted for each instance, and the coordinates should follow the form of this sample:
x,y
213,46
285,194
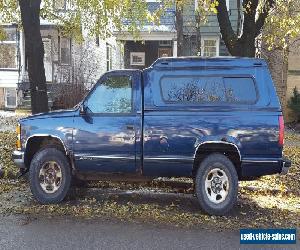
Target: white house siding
x,y
101,53
50,39
89,51
9,77
96,56
118,54
8,86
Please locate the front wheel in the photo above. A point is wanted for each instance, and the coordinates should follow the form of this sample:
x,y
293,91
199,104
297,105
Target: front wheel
x,y
216,184
49,176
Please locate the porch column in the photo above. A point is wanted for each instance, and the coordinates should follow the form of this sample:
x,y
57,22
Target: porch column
x,y
22,53
174,48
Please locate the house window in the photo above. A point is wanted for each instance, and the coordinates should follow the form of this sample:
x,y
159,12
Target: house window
x,y
108,57
59,4
10,97
137,58
197,2
8,50
165,43
64,51
210,47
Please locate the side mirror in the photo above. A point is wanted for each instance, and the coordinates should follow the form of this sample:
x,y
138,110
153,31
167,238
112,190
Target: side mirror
x,y
82,110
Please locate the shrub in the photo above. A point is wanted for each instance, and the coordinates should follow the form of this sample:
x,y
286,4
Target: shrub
x,y
294,103
67,95
72,82
7,145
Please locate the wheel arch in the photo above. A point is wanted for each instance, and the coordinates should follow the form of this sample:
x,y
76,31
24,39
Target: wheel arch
x,y
37,141
229,149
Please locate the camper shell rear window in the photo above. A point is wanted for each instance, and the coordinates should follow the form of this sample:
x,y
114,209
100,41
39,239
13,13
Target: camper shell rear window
x,y
208,89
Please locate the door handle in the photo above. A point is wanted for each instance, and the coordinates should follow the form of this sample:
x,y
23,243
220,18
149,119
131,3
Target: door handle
x,y
130,127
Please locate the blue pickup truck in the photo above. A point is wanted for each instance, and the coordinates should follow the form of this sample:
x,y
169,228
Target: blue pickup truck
x,y
215,120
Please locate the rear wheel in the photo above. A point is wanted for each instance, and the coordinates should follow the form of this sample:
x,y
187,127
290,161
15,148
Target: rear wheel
x,y
216,184
49,176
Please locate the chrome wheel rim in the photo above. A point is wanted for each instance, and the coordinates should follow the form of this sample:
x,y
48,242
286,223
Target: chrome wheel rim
x,y
50,177
216,185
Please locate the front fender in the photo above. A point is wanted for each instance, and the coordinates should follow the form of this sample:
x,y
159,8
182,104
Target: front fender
x,y
61,129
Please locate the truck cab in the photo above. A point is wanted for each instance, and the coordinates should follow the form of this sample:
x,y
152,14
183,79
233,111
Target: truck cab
x,y
214,120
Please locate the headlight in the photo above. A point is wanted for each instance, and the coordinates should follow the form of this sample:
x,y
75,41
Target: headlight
x,y
18,143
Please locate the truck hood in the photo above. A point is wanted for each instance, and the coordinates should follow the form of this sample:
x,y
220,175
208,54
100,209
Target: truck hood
x,y
52,114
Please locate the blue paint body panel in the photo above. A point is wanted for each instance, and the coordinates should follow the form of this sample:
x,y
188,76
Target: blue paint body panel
x,y
161,139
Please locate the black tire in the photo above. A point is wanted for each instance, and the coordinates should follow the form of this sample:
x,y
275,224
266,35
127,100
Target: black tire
x,y
208,165
40,158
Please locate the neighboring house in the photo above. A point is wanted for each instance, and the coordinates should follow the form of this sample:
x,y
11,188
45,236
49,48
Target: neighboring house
x,y
162,40
63,57
65,61
211,41
154,40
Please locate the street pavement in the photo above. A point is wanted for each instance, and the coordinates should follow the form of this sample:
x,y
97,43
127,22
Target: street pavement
x,y
19,232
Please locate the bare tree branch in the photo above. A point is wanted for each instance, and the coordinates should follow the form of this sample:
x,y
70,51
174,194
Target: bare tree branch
x,y
263,15
239,17
249,11
228,35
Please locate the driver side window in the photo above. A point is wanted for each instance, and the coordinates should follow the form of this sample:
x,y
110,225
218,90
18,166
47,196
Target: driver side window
x,y
113,95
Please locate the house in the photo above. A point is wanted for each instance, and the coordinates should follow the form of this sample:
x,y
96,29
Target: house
x,y
209,31
65,62
293,79
65,59
162,40
10,66
154,40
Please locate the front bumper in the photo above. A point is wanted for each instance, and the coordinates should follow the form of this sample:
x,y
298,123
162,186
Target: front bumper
x,y
18,158
285,166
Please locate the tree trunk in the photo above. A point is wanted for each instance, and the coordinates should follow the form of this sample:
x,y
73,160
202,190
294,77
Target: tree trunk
x,y
243,45
179,28
34,54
